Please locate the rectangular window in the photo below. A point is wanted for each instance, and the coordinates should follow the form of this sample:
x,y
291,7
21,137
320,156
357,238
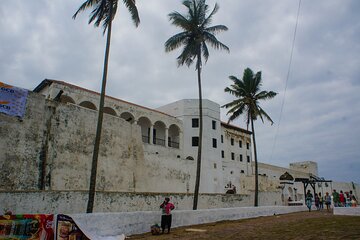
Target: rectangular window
x,y
247,145
241,159
222,154
213,124
214,143
222,138
232,156
232,142
195,141
195,122
242,171
248,158
240,144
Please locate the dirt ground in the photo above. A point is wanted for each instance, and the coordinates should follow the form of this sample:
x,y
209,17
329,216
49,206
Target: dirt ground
x,y
302,225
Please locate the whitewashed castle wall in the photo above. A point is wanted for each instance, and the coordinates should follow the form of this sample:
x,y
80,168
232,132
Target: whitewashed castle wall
x,y
21,144
51,149
67,132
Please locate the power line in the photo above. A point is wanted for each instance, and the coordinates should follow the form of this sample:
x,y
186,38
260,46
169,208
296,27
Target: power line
x,y
287,79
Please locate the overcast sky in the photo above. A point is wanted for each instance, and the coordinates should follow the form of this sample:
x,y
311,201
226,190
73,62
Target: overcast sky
x,y
321,114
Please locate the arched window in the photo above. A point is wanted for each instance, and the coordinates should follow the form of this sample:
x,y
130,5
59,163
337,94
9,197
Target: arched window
x,y
66,99
174,136
128,117
87,104
145,125
159,133
109,111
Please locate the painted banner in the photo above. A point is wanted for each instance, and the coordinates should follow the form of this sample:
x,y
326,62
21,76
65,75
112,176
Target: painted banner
x,y
12,100
27,226
66,229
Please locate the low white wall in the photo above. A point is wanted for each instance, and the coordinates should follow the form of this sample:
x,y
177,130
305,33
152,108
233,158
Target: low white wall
x,y
129,223
72,202
351,211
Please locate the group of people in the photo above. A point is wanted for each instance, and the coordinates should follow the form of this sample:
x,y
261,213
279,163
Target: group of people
x,y
340,200
346,199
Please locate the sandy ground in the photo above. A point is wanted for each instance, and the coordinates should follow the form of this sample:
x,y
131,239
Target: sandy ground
x,y
303,225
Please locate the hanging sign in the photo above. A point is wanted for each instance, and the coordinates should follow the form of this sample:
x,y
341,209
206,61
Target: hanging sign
x,y
12,100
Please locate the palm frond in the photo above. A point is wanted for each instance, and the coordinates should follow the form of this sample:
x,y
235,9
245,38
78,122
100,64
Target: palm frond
x,y
216,29
202,11
104,11
212,40
180,21
175,41
263,113
205,51
87,4
208,20
265,95
131,6
187,55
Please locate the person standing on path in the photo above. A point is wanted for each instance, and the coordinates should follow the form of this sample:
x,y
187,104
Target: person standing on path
x,y
336,198
308,199
327,201
166,217
317,202
321,201
342,199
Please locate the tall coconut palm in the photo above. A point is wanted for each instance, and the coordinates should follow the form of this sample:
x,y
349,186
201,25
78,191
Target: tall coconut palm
x,y
103,12
196,34
248,94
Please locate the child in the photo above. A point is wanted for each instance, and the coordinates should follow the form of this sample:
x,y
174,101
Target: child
x,y
166,217
353,201
327,201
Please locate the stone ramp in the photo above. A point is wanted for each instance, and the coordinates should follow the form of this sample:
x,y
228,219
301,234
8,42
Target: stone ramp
x,y
112,226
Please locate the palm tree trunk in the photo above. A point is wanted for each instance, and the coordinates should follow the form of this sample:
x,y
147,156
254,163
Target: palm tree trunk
x,y
256,201
198,165
92,187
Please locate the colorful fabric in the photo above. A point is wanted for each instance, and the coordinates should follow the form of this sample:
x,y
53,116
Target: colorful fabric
x,y
27,226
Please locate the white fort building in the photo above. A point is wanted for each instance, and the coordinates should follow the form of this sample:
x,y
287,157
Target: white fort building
x,y
144,154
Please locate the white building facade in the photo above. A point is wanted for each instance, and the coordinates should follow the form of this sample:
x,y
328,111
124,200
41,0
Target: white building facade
x,y
142,150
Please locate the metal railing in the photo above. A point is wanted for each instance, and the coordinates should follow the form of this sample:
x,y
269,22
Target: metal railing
x,y
161,142
173,144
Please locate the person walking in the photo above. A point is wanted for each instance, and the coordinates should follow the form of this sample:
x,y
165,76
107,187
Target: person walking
x,y
321,201
166,217
342,199
308,199
317,202
327,201
336,198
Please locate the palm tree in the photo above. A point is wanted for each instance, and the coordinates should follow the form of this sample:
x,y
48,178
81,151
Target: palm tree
x,y
248,94
196,34
104,12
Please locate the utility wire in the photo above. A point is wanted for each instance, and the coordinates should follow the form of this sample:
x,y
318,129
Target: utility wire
x,y
286,82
